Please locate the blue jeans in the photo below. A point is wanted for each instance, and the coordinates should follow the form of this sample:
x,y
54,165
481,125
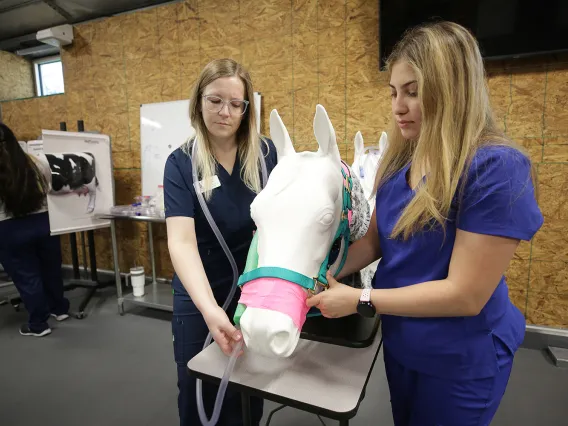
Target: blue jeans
x,y
189,333
32,258
421,400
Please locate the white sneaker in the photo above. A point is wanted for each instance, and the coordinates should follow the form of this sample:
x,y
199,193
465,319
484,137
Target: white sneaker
x,y
61,317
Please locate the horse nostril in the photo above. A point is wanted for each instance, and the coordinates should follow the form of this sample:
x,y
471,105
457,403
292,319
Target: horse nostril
x,y
280,342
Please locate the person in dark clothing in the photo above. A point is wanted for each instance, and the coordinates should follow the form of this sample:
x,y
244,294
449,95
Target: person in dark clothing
x,y
228,168
28,253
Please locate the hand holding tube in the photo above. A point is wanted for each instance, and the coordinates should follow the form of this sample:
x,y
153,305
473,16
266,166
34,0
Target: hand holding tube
x,y
223,331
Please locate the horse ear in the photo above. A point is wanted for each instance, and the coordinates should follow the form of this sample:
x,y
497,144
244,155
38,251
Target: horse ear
x,y
383,141
280,136
359,144
325,135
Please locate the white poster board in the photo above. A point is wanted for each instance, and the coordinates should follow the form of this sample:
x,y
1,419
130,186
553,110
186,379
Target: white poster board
x,y
164,126
35,147
23,145
79,191
257,101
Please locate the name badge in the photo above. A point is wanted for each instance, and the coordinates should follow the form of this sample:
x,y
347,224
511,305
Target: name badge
x,y
215,183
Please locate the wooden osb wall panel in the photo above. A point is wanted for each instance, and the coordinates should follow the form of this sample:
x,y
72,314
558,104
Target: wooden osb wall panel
x,y
299,53
16,77
530,104
23,117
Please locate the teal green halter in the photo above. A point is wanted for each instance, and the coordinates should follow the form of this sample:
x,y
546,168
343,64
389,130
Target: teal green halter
x,y
316,284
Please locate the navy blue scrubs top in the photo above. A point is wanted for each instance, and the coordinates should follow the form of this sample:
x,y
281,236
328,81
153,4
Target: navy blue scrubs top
x,y
498,199
230,207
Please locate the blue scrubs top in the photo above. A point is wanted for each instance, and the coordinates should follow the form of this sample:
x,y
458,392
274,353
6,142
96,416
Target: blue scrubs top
x,y
230,207
498,199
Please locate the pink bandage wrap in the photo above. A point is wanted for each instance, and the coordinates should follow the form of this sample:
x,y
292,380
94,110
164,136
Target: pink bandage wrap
x,y
277,295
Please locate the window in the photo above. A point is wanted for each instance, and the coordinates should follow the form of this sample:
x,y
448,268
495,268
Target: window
x,y
49,76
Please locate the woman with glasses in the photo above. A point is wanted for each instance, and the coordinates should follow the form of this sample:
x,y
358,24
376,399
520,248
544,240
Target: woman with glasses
x,y
228,166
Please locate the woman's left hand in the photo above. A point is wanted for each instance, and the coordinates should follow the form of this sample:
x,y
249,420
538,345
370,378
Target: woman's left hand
x,y
339,300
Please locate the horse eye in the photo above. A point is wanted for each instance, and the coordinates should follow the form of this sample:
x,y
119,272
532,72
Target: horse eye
x,y
326,219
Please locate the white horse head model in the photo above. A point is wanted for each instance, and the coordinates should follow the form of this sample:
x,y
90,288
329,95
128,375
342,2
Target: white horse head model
x,y
366,162
364,167
300,213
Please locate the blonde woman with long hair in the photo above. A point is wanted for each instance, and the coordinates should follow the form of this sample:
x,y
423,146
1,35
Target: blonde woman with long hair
x,y
454,197
229,170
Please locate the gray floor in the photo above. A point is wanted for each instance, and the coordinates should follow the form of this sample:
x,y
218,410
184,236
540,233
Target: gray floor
x,y
111,370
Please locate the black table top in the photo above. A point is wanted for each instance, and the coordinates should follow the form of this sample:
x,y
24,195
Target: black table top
x,y
353,331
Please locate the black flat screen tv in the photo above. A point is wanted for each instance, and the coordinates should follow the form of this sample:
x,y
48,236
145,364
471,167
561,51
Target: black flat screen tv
x,y
504,28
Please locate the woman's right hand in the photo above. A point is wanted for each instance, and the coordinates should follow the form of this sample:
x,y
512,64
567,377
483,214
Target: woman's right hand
x,y
182,245
223,331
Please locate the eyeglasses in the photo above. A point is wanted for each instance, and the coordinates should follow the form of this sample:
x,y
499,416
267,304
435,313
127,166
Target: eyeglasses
x,y
216,104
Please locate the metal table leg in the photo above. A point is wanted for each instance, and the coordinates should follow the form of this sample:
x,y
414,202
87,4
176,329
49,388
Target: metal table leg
x,y
343,422
245,401
151,248
116,268
84,247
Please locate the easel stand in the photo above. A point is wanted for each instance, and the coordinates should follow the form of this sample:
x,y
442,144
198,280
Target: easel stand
x,y
91,284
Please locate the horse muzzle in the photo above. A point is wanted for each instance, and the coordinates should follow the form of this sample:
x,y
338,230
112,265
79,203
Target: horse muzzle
x,y
274,313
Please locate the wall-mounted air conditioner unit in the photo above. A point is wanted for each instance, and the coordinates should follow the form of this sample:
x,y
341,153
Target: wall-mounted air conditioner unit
x,y
56,36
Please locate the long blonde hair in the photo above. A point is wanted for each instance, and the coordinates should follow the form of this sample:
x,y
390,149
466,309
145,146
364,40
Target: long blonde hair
x,y
248,138
456,120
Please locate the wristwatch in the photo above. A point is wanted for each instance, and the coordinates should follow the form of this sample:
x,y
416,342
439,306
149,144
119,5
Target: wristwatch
x,y
365,307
